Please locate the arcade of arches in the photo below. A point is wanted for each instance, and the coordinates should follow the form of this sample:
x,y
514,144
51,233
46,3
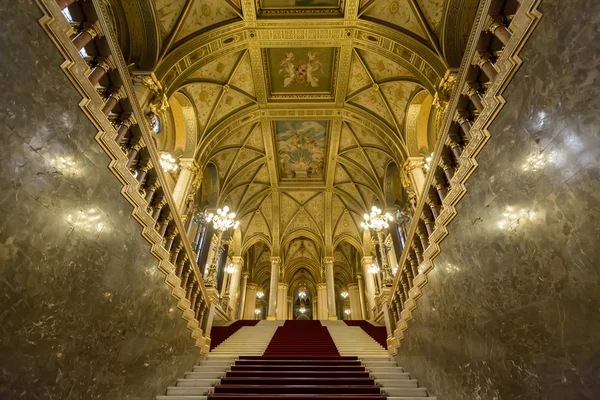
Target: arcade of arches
x,y
170,166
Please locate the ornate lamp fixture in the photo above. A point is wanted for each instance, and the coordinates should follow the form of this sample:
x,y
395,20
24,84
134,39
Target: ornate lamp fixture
x,y
428,160
378,221
230,269
257,311
168,162
347,311
302,310
374,269
344,294
223,221
260,295
302,294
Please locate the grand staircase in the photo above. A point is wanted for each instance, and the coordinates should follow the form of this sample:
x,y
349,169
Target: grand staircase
x,y
296,360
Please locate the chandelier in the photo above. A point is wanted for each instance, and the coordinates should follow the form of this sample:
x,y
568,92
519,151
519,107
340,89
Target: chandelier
x,y
428,162
302,310
230,269
257,311
302,294
347,311
344,294
376,220
168,162
374,269
260,295
224,219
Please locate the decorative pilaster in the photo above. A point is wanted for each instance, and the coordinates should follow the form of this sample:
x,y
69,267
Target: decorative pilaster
x,y
328,261
275,263
188,171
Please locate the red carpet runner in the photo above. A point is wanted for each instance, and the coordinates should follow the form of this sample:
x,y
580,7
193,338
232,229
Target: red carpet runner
x,y
378,333
301,362
218,334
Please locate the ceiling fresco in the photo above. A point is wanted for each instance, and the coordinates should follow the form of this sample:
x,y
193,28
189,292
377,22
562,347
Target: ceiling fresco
x,y
307,73
301,148
301,105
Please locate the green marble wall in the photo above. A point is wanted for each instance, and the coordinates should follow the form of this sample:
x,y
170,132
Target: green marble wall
x,y
84,312
511,310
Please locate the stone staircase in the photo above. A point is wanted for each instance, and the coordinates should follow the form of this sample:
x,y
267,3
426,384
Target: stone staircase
x,y
238,360
248,340
393,380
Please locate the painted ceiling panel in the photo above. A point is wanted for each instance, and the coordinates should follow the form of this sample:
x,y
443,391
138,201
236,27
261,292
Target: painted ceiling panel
x,y
359,77
383,68
205,96
398,13
372,101
218,70
346,138
231,100
242,78
433,11
205,13
397,94
168,12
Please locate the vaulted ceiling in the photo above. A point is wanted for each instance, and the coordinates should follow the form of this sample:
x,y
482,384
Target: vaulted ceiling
x,y
301,105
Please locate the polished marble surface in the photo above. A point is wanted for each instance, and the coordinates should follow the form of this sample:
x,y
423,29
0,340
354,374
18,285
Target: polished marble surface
x,y
511,310
84,312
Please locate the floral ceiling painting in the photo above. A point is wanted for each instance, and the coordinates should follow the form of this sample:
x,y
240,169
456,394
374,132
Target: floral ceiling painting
x,y
302,148
303,72
298,3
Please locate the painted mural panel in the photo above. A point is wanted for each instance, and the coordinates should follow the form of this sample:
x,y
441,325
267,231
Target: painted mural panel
x,y
302,148
298,3
301,71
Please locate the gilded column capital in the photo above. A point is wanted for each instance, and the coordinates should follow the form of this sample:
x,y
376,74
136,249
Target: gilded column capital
x,y
328,260
367,260
275,260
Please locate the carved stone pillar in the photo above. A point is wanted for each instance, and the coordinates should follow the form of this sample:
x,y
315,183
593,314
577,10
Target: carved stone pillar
x,y
275,265
498,29
250,301
456,149
85,37
158,208
234,283
485,63
188,170
328,261
475,98
414,265
282,289
243,292
97,73
361,294
323,309
464,123
124,128
111,101
354,297
369,286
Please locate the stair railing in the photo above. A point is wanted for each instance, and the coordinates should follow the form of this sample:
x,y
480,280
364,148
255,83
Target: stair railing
x,y
95,65
473,100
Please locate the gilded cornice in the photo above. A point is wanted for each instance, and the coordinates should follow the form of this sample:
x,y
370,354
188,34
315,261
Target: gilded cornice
x,y
237,36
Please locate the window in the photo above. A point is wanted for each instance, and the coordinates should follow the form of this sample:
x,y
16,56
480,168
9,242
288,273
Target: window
x,y
155,124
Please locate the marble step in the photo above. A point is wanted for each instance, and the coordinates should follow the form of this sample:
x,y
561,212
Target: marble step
x,y
188,391
206,368
204,375
380,364
181,398
192,382
405,392
384,370
395,375
397,383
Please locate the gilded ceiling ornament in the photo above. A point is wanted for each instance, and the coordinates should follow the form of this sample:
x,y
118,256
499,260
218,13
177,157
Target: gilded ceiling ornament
x,y
444,91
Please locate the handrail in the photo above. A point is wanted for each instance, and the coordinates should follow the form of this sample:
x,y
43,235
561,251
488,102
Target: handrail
x,y
478,26
121,67
475,100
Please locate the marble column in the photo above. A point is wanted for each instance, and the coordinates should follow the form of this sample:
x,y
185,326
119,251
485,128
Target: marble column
x,y
369,286
282,289
242,302
361,296
330,288
316,307
390,325
353,295
234,283
275,261
211,270
188,170
250,302
414,169
323,309
290,308
385,265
